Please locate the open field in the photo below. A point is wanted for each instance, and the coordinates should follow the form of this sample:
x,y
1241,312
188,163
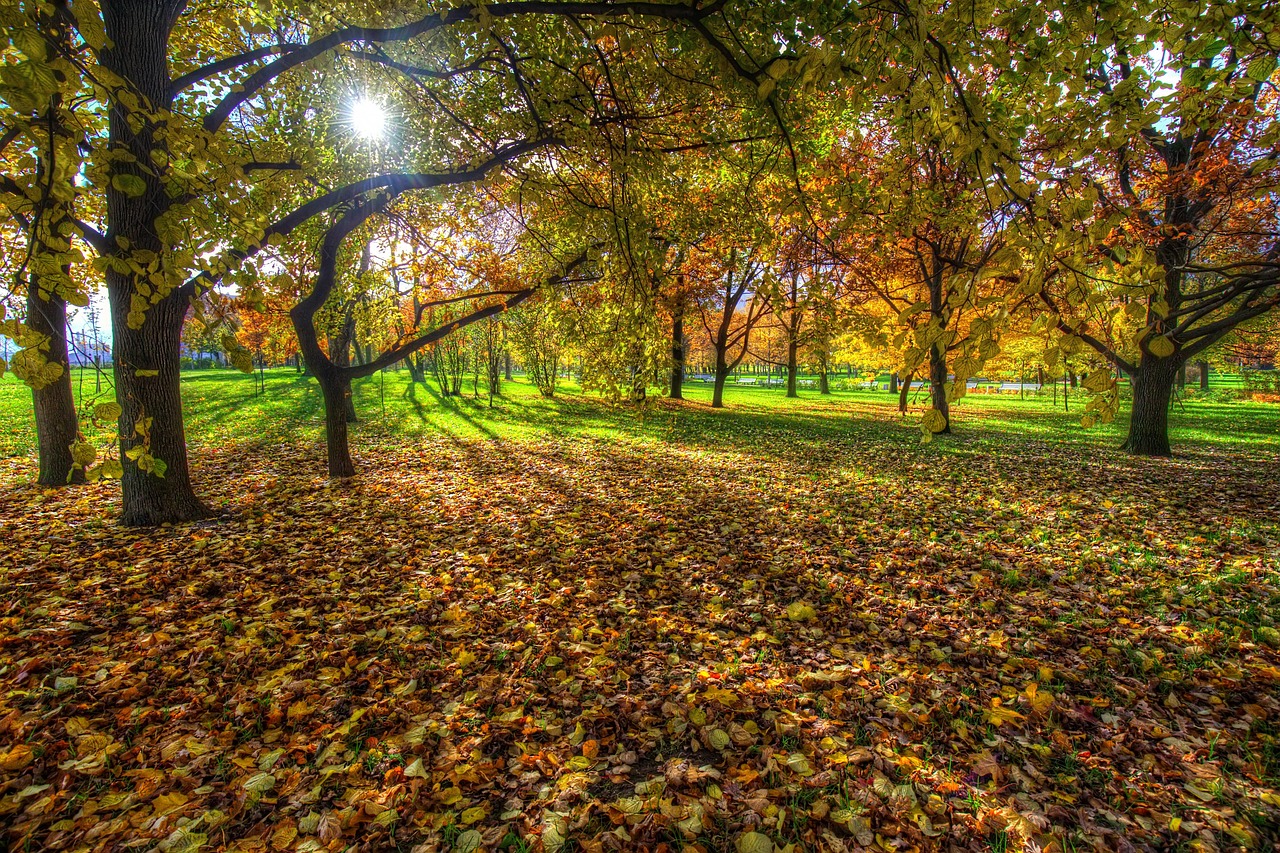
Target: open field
x,y
563,625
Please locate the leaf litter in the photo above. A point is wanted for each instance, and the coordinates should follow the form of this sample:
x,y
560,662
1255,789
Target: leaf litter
x,y
578,644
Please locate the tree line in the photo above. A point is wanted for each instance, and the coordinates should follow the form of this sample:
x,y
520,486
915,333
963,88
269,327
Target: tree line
x,y
1094,183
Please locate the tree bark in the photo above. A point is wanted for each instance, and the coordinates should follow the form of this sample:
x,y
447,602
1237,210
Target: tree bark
x,y
57,425
1152,391
1204,375
824,387
903,393
677,351
893,382
340,355
793,366
938,384
722,374
151,403
148,389
337,396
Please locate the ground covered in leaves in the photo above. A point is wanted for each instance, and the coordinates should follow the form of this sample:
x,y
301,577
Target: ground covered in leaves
x,y
772,639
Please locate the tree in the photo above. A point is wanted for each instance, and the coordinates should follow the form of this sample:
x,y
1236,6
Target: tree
x,y
40,158
537,332
937,244
1161,179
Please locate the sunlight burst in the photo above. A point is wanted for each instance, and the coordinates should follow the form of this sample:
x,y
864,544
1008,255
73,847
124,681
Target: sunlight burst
x,y
368,118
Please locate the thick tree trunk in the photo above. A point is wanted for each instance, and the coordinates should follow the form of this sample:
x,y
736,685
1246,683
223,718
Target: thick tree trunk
x,y
677,351
57,425
938,384
337,394
1204,375
1152,391
893,382
146,358
824,387
148,389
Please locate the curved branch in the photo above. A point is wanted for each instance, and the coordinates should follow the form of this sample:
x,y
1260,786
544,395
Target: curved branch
x,y
229,63
459,14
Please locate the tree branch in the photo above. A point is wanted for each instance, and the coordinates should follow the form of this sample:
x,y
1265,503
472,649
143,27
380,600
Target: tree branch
x,y
229,63
459,14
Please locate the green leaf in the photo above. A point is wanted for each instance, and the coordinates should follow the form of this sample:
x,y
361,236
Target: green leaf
x,y
83,454
260,783
131,185
1260,69
469,841
107,411
1161,346
798,611
934,421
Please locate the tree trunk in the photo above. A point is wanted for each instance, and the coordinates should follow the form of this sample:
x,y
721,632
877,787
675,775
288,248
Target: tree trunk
x,y
893,382
1204,375
57,425
938,384
677,351
148,389
151,423
722,374
793,366
337,397
824,387
1152,391
340,355
903,393
417,370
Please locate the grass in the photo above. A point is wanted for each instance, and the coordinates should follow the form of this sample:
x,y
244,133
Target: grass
x,y
225,406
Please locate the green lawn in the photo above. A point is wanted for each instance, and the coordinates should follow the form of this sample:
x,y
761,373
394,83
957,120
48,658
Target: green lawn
x,y
225,406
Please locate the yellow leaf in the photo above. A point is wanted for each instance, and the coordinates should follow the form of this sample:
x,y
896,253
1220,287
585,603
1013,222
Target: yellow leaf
x,y
998,715
753,842
798,611
799,764
283,837
167,803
